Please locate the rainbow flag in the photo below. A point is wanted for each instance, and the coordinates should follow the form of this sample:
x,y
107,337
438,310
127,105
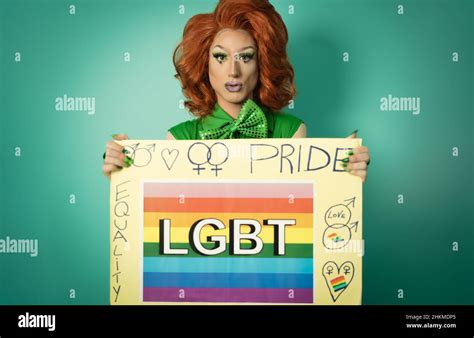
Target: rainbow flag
x,y
264,277
338,283
335,238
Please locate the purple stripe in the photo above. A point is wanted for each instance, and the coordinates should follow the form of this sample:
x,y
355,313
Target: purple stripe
x,y
230,295
256,190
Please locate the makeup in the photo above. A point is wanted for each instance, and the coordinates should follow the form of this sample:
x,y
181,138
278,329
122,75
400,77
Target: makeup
x,y
233,86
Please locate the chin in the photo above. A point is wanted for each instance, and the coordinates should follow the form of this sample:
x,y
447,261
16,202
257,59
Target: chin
x,y
236,98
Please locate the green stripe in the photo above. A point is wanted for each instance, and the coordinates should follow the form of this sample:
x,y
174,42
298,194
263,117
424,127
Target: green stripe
x,y
339,286
291,250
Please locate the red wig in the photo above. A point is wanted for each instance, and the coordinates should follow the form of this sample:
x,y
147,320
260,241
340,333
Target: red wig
x,y
275,87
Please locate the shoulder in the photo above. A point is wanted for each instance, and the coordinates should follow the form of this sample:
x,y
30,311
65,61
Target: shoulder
x,y
286,118
301,132
285,125
186,130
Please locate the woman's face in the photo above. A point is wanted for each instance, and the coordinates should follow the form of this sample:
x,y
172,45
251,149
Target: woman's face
x,y
233,67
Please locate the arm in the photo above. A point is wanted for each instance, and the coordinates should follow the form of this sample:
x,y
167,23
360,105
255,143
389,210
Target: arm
x,y
301,132
169,136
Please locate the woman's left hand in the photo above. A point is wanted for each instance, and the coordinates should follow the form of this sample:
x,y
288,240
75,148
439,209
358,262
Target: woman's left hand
x,y
359,158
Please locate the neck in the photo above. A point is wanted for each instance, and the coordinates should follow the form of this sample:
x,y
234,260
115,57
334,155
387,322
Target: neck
x,y
233,109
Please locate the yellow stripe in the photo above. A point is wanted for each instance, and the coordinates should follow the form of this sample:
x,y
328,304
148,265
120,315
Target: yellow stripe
x,y
183,219
181,235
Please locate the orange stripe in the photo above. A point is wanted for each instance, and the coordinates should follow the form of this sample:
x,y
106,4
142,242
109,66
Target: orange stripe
x,y
274,205
338,279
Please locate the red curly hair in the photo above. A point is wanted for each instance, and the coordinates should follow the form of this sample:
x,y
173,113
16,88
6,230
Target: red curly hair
x,y
259,18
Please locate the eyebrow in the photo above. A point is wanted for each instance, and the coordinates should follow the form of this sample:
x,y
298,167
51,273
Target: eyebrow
x,y
242,49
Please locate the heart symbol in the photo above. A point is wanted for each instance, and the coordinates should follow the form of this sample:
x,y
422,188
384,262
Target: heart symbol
x,y
168,158
338,278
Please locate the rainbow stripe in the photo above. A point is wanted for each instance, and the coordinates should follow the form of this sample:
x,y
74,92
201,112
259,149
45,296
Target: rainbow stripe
x,y
338,283
335,238
259,278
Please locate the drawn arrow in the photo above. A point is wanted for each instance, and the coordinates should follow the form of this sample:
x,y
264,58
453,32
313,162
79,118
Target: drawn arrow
x,y
354,225
151,147
351,200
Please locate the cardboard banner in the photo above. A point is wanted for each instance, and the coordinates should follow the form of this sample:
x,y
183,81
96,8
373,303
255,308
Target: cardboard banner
x,y
259,221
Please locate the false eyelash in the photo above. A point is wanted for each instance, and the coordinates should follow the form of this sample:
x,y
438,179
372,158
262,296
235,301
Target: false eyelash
x,y
216,55
248,55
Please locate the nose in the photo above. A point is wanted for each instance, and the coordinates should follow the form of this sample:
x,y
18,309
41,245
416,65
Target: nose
x,y
234,68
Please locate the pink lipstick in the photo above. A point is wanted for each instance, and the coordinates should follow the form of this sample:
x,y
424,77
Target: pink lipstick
x,y
233,86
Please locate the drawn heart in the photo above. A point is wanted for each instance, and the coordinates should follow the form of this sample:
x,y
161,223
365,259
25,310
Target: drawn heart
x,y
338,278
170,157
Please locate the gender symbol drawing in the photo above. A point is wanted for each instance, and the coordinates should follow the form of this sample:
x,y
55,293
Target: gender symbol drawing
x,y
200,153
338,233
338,278
141,156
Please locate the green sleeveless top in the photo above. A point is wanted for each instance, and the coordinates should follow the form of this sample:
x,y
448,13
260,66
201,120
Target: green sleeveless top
x,y
280,125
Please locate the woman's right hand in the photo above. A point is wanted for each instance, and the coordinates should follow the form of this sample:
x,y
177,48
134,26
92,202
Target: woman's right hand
x,y
115,158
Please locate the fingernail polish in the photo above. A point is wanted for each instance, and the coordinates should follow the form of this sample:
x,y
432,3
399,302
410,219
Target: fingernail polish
x,y
114,135
350,153
345,160
355,131
128,161
344,165
125,151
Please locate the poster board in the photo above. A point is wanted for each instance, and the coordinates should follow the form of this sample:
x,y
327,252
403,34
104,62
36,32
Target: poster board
x,y
242,221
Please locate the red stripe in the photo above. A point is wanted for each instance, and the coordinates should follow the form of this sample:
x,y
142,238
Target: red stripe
x,y
271,205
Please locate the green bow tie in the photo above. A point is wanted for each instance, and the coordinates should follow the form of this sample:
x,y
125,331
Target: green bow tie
x,y
251,123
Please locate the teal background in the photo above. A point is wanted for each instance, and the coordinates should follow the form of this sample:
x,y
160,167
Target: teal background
x,y
407,246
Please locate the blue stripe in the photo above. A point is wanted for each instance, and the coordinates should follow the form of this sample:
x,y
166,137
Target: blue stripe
x,y
237,265
227,280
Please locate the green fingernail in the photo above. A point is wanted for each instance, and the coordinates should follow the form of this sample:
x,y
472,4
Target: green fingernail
x,y
114,135
344,165
125,151
345,160
350,153
128,161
